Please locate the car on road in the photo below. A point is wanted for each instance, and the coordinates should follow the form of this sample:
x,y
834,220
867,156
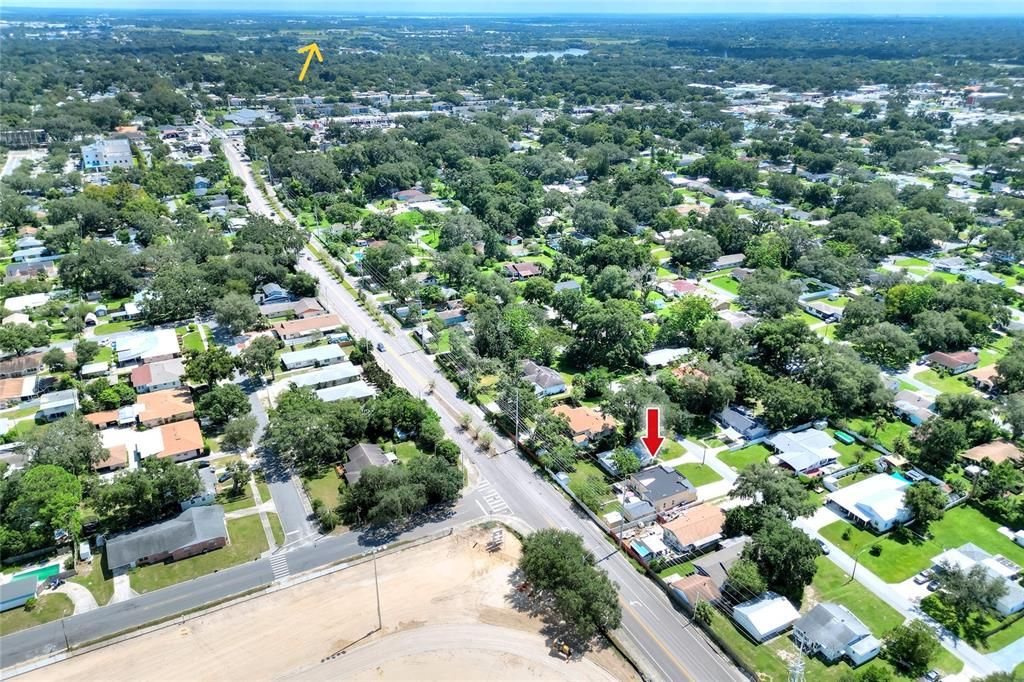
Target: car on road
x,y
202,464
380,346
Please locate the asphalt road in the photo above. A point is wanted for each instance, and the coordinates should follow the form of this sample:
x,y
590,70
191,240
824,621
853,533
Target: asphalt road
x,y
51,638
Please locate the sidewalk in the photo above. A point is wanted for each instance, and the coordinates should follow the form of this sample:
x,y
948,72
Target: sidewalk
x,y
720,467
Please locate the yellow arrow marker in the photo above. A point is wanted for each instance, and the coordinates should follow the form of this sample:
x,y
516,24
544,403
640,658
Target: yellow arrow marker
x,y
310,50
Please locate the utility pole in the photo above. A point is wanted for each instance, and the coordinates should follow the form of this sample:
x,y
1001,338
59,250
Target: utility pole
x,y
517,418
376,587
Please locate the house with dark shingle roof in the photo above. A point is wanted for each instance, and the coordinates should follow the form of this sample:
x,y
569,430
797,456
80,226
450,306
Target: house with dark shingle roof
x,y
195,531
364,455
545,380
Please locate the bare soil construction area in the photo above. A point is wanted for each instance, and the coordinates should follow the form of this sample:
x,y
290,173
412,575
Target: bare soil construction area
x,y
448,610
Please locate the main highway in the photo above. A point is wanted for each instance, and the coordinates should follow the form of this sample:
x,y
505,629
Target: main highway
x,y
656,635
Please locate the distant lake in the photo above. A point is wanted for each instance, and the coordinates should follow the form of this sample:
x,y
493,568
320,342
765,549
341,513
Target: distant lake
x,y
572,52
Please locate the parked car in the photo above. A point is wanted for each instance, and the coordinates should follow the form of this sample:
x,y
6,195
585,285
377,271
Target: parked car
x,y
824,547
932,676
202,464
933,585
380,346
921,579
223,477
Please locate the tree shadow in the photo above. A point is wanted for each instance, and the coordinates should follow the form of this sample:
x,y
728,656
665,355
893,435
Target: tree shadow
x,y
524,599
376,536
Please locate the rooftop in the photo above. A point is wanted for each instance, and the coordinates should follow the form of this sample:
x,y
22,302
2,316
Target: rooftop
x,y
697,525
194,525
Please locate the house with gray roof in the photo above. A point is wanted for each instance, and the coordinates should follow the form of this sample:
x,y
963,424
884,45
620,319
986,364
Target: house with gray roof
x,y
834,632
738,424
364,455
545,380
663,487
716,565
194,531
57,404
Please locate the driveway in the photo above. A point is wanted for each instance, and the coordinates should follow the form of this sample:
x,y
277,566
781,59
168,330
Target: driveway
x,y
122,589
80,596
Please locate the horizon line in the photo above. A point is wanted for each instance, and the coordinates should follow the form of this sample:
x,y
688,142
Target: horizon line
x,y
511,14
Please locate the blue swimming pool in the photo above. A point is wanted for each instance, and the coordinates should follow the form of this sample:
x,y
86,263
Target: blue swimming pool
x,y
900,477
41,573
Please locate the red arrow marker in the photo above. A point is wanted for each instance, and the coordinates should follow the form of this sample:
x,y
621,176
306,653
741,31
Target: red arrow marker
x,y
653,440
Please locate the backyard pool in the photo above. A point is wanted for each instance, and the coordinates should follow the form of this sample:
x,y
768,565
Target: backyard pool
x,y
40,574
900,477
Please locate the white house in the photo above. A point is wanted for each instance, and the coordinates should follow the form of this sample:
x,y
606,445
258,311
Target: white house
x,y
765,616
998,567
834,632
142,347
876,501
804,451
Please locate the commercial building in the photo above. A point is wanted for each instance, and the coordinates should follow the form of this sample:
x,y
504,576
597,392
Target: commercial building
x,y
104,155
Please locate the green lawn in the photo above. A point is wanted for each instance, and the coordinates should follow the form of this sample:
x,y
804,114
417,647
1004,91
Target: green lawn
x,y
247,542
943,382
671,449
912,263
244,500
275,527
99,581
744,457
406,451
698,474
264,490
976,628
325,487
51,606
726,283
192,341
105,354
901,558
832,584
886,435
114,327
992,353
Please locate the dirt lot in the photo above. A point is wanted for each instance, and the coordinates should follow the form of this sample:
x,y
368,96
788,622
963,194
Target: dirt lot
x,y
447,614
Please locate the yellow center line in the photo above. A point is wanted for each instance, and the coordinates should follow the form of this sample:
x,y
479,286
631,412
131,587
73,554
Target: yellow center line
x,y
656,639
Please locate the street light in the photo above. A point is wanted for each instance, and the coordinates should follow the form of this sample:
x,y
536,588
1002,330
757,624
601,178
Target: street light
x,y
856,560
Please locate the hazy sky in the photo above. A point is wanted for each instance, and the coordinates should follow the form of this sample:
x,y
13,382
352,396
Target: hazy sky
x,y
918,7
